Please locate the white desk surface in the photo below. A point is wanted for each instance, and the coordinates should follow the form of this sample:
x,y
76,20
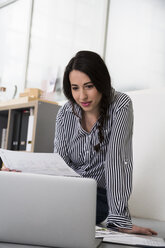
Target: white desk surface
x,y
158,226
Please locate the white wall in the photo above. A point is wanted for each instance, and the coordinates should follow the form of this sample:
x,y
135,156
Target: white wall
x,y
148,199
135,51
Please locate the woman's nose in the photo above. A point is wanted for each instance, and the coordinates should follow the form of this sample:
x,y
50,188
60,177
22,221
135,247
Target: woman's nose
x,y
83,94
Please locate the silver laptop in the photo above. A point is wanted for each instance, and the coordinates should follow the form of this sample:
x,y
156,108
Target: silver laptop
x,y
47,210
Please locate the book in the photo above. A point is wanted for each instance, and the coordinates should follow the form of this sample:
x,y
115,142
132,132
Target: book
x,y
23,129
41,163
16,131
111,236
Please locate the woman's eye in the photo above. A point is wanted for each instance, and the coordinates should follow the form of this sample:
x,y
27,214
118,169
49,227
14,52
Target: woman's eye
x,y
90,86
74,88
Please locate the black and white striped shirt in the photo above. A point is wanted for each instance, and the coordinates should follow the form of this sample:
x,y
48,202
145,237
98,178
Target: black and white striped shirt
x,y
111,167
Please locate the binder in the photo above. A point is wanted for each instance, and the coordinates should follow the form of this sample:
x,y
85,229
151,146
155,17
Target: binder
x,y
16,131
30,131
23,129
3,138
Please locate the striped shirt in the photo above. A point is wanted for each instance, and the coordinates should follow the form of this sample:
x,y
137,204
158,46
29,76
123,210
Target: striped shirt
x,y
111,166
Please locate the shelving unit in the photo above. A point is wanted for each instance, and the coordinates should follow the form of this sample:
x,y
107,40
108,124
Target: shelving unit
x,y
43,128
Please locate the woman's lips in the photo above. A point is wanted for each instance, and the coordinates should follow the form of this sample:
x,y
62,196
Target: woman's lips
x,y
85,104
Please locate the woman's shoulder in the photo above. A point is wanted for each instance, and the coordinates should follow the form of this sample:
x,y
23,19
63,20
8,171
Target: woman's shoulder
x,y
66,107
64,110
121,100
69,111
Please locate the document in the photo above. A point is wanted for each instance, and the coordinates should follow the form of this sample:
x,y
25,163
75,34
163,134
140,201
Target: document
x,y
41,163
111,236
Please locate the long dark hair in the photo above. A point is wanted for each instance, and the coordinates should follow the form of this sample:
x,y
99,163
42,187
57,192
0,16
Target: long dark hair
x,y
92,65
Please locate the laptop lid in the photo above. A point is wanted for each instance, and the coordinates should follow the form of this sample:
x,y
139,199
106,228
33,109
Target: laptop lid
x,y
47,210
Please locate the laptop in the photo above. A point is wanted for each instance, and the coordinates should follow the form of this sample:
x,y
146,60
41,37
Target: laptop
x,y
47,210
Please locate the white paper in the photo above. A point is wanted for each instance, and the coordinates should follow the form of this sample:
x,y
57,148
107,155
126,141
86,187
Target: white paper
x,y
41,163
111,236
101,231
132,239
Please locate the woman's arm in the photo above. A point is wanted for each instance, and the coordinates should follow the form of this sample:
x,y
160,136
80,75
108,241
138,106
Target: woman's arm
x,y
119,171
118,166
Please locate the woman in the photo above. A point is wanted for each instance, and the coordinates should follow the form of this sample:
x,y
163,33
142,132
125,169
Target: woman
x,y
94,137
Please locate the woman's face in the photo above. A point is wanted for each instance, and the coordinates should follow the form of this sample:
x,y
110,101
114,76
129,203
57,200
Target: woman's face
x,y
84,92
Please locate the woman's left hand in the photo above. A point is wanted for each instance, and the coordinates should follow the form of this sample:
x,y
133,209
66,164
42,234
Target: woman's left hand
x,y
138,230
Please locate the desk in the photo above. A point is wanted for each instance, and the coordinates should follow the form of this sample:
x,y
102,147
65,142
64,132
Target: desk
x,y
158,226
7,245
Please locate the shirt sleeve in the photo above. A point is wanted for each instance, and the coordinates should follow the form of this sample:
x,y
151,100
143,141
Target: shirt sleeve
x,y
60,141
118,167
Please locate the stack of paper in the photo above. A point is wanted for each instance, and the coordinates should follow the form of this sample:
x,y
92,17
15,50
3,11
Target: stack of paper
x,y
111,236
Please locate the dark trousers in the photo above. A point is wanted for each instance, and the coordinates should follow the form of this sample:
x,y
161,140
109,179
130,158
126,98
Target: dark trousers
x,y
102,205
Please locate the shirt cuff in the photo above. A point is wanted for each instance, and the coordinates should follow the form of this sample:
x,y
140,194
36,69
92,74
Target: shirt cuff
x,y
117,221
